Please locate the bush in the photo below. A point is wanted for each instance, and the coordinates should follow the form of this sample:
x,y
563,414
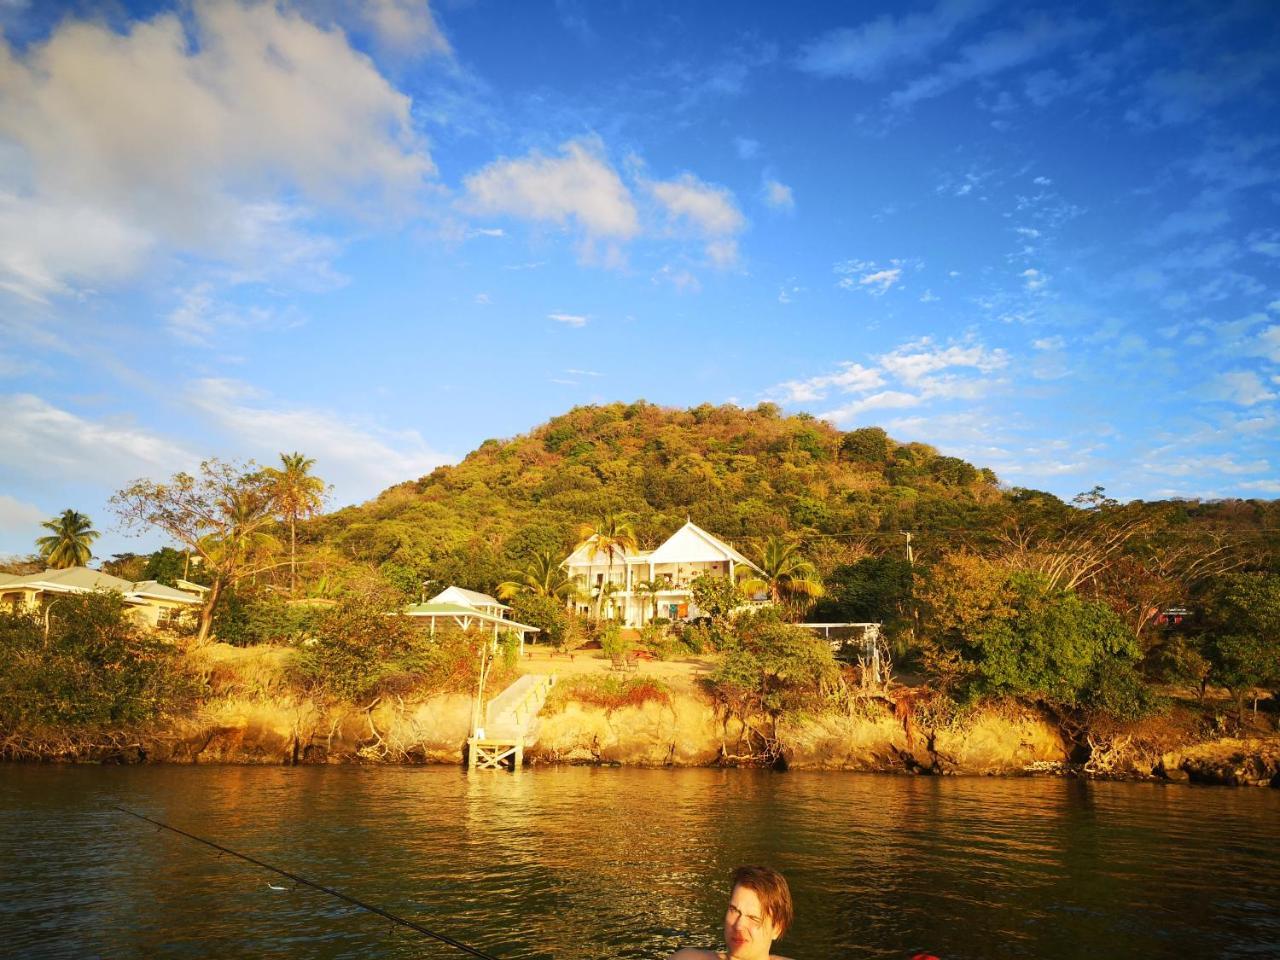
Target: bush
x,y
249,619
97,675
608,693
771,666
365,649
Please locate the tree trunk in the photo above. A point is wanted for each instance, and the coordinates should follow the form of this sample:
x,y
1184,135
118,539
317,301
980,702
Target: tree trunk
x,y
206,615
293,555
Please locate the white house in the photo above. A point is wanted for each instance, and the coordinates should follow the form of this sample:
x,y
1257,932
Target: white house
x,y
152,603
686,555
472,598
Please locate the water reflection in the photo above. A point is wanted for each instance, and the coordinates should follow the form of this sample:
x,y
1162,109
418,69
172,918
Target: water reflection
x,y
589,863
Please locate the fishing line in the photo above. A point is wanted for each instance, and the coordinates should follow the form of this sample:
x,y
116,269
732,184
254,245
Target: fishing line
x,y
316,886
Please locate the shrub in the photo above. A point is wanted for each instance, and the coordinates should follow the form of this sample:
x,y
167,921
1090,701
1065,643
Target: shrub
x,y
96,675
608,693
771,666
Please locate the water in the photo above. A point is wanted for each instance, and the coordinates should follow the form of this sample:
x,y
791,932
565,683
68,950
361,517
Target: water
x,y
595,863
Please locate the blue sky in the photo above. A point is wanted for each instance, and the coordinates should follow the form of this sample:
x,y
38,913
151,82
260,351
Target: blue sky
x,y
1047,241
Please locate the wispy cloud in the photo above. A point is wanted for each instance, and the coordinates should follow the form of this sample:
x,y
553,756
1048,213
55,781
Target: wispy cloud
x,y
569,319
867,51
778,196
1243,387
874,278
360,459
998,51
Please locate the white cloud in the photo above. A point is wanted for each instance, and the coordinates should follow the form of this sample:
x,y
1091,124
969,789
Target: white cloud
x,y
406,26
1269,343
1262,486
18,518
915,361
579,186
885,400
929,297
1243,387
881,281
483,299
778,196
159,138
849,378
568,319
995,53
870,49
1034,279
359,459
200,317
57,444
709,211
1049,343
1199,466
871,276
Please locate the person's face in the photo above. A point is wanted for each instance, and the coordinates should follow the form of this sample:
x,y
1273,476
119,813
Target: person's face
x,y
748,931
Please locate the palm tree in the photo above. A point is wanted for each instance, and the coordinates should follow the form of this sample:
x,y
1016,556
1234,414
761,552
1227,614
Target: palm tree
x,y
541,575
651,589
788,578
610,535
68,544
297,494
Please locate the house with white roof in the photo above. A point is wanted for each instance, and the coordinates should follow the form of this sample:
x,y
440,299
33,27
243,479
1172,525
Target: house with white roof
x,y
473,599
686,555
150,601
468,610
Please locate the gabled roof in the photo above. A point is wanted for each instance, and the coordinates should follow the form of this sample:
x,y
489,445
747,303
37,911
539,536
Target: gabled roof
x,y
471,598
459,610
692,544
582,554
84,580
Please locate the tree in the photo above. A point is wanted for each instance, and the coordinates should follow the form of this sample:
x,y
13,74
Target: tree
x,y
788,578
651,589
874,589
612,536
221,515
68,545
296,494
1240,633
541,574
716,597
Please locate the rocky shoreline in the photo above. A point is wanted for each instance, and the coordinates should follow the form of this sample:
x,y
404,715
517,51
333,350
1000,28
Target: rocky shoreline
x,y
688,732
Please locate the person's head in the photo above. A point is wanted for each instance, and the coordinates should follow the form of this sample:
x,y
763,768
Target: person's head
x,y
759,912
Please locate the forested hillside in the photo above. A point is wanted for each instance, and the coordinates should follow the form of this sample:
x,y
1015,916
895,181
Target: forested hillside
x,y
742,474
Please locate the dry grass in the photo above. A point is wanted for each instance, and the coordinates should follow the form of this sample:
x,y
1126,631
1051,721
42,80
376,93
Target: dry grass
x,y
607,693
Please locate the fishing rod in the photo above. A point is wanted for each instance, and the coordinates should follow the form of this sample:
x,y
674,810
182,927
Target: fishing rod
x,y
317,886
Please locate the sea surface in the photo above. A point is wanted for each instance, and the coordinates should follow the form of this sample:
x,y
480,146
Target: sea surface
x,y
578,862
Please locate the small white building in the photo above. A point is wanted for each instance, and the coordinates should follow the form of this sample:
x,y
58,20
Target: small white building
x,y
686,555
473,599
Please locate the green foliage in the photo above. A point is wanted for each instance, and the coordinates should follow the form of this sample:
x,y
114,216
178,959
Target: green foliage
x,y
168,566
96,675
770,666
248,618
870,590
1240,632
70,541
613,642
363,649
548,614
716,597
997,632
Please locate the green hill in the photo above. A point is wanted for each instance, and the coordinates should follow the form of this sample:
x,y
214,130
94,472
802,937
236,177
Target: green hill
x,y
743,474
